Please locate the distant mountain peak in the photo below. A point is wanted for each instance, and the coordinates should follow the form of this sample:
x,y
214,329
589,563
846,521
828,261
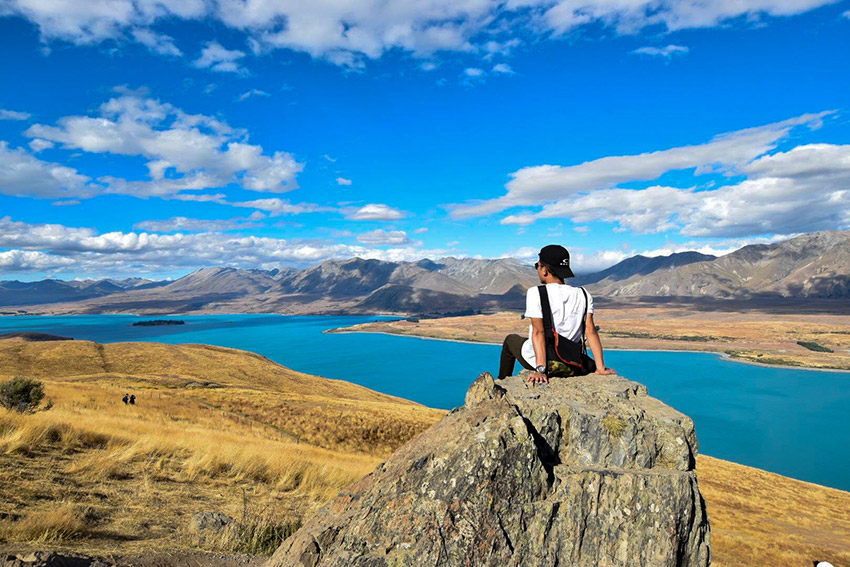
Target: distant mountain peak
x,y
809,265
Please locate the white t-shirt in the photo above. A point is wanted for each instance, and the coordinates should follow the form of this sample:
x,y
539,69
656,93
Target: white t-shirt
x,y
567,303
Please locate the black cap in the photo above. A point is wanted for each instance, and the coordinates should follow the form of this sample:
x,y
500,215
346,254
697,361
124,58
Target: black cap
x,y
558,259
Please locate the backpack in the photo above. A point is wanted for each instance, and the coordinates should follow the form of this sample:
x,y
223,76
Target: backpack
x,y
563,356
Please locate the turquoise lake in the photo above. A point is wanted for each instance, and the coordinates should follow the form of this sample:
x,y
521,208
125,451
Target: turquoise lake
x,y
793,422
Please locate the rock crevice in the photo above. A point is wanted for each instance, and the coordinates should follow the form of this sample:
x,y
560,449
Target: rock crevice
x,y
584,471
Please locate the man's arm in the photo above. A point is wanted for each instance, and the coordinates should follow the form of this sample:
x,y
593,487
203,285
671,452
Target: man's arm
x,y
538,341
595,345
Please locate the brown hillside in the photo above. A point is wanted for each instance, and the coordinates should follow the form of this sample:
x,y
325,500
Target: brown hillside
x,y
221,430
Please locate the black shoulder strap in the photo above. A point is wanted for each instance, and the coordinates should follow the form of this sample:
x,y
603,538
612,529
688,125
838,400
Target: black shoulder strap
x,y
547,314
584,320
547,310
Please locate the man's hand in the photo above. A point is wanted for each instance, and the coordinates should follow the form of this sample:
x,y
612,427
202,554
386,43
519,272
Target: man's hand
x,y
538,378
605,371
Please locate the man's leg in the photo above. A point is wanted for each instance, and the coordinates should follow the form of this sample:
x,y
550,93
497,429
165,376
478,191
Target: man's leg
x,y
511,352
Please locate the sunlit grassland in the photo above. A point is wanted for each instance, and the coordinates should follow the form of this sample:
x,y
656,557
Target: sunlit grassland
x,y
211,428
221,430
761,518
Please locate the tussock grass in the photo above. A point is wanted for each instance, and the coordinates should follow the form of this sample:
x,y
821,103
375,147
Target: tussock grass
x,y
259,530
61,521
93,475
761,518
30,434
289,441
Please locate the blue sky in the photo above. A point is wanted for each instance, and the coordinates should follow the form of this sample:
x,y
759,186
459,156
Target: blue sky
x,y
143,137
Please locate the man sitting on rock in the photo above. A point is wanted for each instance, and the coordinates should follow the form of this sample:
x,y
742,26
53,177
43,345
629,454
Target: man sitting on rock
x,y
568,306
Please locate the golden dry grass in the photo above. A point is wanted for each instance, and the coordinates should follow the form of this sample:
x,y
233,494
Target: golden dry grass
x,y
761,518
753,337
92,475
210,425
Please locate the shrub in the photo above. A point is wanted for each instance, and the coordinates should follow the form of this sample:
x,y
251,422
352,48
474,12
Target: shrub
x,y
21,394
817,347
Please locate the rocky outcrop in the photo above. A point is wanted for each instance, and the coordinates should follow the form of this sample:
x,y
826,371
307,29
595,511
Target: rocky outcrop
x,y
586,471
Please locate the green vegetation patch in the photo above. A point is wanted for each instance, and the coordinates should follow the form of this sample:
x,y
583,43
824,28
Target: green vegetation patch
x,y
817,347
21,394
614,425
644,335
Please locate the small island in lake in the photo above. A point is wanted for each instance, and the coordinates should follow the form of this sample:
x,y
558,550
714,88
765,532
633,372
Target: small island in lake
x,y
158,323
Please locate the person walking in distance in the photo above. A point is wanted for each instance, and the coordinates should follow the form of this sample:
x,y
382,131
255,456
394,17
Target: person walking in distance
x,y
569,316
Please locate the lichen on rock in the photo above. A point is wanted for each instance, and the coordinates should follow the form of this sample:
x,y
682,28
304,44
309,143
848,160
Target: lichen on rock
x,y
525,475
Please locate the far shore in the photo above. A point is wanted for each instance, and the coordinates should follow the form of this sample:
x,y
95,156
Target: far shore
x,y
724,355
770,340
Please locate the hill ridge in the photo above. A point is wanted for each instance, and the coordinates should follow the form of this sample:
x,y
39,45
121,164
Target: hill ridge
x,y
814,265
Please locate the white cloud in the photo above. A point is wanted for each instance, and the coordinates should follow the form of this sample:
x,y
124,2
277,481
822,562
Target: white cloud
x,y
473,72
252,93
348,32
158,43
585,262
24,175
68,203
277,207
376,211
493,48
846,14
86,22
805,189
38,145
421,230
524,254
503,68
22,261
184,224
43,247
383,238
217,58
184,152
630,17
13,115
666,52
343,181
727,153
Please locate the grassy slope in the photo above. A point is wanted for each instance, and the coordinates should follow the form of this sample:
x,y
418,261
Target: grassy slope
x,y
94,475
279,440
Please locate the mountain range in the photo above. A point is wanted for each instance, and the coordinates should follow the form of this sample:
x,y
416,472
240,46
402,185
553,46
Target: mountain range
x,y
809,266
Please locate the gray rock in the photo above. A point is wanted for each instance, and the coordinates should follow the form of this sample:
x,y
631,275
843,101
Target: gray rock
x,y
206,523
52,559
586,471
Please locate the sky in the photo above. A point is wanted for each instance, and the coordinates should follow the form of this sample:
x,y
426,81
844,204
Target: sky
x,y
155,137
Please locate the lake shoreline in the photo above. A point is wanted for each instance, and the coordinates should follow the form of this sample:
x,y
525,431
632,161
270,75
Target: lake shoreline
x,y
723,355
436,374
